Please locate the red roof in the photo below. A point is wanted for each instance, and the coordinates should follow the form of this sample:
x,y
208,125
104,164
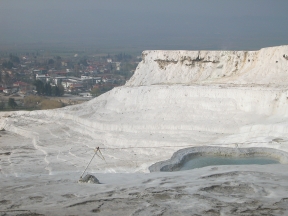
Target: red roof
x,y
61,72
76,85
20,83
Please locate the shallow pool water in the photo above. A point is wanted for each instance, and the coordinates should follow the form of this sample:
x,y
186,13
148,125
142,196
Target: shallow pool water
x,y
204,161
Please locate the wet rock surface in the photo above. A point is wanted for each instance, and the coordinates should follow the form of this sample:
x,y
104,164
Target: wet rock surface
x,y
205,191
89,179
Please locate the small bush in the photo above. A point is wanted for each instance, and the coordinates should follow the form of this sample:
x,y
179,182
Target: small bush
x,y
32,101
12,103
2,105
51,104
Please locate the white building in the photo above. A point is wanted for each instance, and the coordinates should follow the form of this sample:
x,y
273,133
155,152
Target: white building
x,y
85,94
93,80
43,78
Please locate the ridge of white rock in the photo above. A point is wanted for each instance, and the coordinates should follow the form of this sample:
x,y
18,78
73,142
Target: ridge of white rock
x,y
263,67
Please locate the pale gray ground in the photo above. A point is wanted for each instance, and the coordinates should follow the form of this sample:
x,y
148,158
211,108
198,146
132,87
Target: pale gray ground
x,y
224,190
252,190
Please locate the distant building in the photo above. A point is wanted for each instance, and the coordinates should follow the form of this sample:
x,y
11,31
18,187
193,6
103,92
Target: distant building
x,y
7,91
85,94
10,90
23,87
76,87
84,77
58,80
64,63
40,71
106,80
43,78
19,84
72,83
92,80
117,64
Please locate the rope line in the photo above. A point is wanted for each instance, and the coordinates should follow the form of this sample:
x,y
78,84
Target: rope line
x,y
96,153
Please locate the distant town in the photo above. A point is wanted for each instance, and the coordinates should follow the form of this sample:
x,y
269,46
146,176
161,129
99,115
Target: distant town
x,y
27,81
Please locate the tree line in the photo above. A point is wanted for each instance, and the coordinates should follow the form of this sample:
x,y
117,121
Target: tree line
x,y
11,103
12,59
47,89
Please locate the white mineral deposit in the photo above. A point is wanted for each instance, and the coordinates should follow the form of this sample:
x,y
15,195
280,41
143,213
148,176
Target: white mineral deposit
x,y
175,100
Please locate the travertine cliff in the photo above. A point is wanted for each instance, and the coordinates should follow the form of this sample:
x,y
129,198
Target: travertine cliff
x,y
266,66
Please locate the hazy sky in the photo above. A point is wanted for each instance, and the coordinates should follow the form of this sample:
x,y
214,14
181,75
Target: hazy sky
x,y
148,24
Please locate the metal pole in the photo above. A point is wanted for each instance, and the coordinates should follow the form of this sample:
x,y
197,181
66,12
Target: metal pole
x,y
89,162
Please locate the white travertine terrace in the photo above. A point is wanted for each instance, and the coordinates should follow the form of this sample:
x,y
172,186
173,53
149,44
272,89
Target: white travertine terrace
x,y
263,67
176,99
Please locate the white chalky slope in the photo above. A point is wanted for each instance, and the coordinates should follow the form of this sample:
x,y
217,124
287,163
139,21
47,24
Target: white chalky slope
x,y
175,99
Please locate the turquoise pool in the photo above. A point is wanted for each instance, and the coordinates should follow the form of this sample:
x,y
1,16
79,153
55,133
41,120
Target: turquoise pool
x,y
203,161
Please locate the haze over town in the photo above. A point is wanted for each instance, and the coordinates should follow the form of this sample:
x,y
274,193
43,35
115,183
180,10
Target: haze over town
x,y
140,25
